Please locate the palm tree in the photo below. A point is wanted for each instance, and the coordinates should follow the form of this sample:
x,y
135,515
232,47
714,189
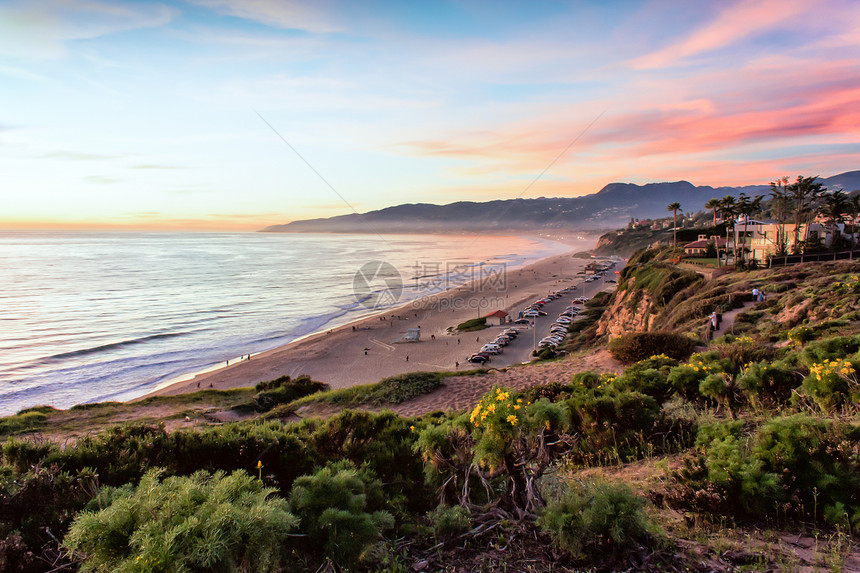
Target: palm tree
x,y
674,207
713,204
727,207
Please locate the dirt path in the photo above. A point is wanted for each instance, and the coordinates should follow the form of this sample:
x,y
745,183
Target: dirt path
x,y
729,319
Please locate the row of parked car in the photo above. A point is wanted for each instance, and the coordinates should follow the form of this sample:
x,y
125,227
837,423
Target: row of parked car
x,y
494,347
558,329
534,309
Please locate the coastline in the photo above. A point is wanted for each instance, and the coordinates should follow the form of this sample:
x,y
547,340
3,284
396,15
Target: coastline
x,y
365,350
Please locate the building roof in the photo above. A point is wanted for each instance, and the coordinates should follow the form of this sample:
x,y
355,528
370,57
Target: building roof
x,y
497,314
703,244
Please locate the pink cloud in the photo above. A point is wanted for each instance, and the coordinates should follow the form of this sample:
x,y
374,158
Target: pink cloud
x,y
735,23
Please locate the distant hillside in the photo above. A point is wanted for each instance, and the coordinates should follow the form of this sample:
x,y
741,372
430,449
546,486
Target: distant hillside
x,y
611,207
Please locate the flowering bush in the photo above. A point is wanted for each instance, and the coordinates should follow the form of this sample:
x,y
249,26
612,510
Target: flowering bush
x,y
685,379
832,383
767,382
801,335
505,437
649,376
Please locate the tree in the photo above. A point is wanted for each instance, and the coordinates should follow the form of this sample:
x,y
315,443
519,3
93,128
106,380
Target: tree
x,y
803,194
779,209
836,205
674,207
713,204
727,206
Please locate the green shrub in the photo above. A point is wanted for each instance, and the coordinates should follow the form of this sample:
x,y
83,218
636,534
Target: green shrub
x,y
685,379
768,383
34,502
22,422
391,390
834,348
284,390
449,521
597,516
796,466
638,346
332,506
196,523
832,383
615,423
473,324
404,387
735,352
649,376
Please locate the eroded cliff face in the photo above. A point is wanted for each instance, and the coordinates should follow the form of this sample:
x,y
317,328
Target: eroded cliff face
x,y
631,310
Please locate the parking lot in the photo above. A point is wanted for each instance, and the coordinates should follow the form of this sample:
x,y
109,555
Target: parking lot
x,y
520,349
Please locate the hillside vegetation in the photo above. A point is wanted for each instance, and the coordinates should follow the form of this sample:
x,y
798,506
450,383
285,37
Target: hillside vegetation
x,y
740,453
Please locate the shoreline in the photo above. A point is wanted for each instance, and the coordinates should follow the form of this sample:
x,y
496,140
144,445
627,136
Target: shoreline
x,y
365,350
567,241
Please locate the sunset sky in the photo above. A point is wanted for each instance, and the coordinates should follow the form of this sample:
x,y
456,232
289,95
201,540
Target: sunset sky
x,y
145,114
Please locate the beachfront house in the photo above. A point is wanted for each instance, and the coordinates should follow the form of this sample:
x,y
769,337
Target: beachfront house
x,y
497,318
761,239
699,247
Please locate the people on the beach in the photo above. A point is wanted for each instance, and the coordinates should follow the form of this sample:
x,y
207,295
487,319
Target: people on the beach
x,y
407,358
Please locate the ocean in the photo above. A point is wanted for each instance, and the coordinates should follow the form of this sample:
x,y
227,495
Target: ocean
x,y
88,317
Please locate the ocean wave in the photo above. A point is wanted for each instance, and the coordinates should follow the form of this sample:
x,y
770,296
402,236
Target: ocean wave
x,y
111,346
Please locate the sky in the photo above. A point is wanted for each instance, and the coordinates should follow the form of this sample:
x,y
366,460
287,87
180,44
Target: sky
x,y
237,114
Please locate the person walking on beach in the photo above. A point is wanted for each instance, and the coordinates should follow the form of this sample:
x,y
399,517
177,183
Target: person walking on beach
x,y
407,358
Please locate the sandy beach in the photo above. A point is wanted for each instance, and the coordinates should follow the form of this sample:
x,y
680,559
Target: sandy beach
x,y
368,350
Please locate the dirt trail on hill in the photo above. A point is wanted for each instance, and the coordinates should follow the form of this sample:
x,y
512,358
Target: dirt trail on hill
x,y
729,319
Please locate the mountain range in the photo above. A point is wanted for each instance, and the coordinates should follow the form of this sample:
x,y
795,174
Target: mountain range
x,y
611,207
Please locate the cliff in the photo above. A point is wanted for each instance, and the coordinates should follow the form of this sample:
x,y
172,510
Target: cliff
x,y
630,310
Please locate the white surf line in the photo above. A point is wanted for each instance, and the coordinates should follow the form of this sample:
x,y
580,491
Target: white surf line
x,y
382,344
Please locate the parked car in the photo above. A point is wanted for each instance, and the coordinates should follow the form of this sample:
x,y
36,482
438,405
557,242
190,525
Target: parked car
x,y
530,313
478,359
523,321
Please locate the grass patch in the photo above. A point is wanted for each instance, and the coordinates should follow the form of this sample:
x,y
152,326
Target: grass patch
x,y
94,406
39,409
220,398
20,423
391,390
